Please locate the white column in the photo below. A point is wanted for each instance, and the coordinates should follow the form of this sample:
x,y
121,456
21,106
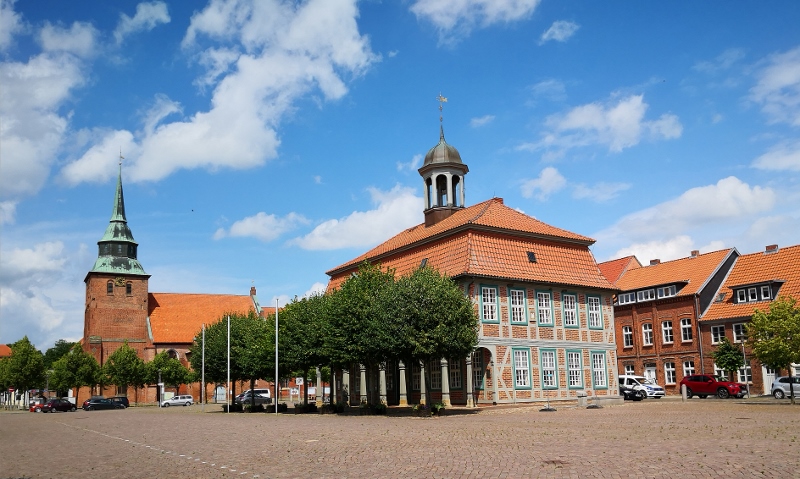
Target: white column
x,y
363,391
470,392
345,389
449,189
382,381
445,383
320,388
422,396
403,392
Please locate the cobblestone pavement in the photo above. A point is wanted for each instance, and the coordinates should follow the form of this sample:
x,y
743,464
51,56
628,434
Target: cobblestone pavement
x,y
650,439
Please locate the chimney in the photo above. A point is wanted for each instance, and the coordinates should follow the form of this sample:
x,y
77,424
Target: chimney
x,y
252,290
654,262
695,253
772,248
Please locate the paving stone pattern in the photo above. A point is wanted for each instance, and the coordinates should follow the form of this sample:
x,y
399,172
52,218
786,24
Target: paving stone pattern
x,y
651,439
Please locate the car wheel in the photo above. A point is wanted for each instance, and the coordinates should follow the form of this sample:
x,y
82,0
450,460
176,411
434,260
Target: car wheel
x,y
723,393
52,410
89,408
166,404
689,393
38,409
73,409
640,395
778,394
187,404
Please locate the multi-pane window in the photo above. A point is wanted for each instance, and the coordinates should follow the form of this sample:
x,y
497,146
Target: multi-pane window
x,y
544,310
647,334
627,336
717,333
549,369
719,371
646,295
666,331
521,368
489,303
686,329
595,313
517,299
629,369
739,333
744,375
741,296
688,368
435,374
752,294
626,298
128,289
669,373
666,291
599,370
570,310
766,292
455,373
415,377
575,369
477,370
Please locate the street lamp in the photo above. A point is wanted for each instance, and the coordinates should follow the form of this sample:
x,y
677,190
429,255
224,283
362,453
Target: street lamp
x,y
160,387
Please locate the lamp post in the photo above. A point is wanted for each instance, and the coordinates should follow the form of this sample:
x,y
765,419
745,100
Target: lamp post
x,y
160,387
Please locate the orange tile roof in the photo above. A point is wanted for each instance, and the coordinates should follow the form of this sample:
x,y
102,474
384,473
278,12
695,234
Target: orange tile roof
x,y
614,269
488,240
757,268
178,317
5,351
695,270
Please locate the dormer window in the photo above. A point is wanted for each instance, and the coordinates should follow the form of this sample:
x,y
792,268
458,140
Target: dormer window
x,y
741,296
626,298
752,294
666,292
766,292
646,295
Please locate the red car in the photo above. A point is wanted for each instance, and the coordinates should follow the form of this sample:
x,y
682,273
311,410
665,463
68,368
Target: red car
x,y
705,385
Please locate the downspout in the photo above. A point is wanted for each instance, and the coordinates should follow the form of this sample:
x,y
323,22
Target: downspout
x,y
699,335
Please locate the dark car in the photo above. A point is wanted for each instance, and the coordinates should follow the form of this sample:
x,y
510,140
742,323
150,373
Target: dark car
x,y
704,385
86,402
101,403
58,404
121,400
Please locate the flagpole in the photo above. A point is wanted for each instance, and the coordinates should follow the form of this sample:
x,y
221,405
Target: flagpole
x,y
228,389
276,356
203,374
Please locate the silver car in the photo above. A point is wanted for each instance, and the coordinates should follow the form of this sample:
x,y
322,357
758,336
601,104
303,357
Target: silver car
x,y
780,386
183,400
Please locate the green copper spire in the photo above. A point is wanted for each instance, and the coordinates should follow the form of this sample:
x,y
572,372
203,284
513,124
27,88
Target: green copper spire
x,y
117,248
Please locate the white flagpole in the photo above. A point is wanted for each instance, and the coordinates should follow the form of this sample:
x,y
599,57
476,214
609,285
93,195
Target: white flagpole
x,y
203,373
228,389
276,357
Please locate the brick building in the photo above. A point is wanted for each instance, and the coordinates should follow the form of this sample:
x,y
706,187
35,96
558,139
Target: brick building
x,y
546,322
120,307
755,280
656,313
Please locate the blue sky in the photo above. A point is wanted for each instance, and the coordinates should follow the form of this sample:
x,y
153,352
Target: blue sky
x,y
266,142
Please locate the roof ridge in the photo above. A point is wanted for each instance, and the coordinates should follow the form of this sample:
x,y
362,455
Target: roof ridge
x,y
483,210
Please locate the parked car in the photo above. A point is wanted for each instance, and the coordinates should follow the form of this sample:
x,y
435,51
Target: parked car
x,y
628,392
101,403
641,383
262,397
35,403
780,386
183,400
704,385
58,404
86,402
121,400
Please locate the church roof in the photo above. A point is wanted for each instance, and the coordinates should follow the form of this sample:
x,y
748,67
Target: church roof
x,y
614,269
488,240
179,317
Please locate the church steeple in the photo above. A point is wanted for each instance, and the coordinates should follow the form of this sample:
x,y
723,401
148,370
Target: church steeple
x,y
117,248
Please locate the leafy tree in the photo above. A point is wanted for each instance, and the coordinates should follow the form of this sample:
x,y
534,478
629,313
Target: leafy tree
x,y
728,357
25,366
5,380
125,368
55,353
774,336
76,369
170,370
303,325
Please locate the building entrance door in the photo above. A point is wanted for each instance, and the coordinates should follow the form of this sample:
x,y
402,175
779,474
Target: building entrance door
x,y
769,376
650,372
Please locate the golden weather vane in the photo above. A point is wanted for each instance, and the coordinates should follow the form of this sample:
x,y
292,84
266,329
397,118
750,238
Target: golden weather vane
x,y
441,100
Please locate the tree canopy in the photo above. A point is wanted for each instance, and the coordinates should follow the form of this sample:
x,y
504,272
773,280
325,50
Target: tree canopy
x,y
774,335
75,369
25,368
55,353
125,368
728,357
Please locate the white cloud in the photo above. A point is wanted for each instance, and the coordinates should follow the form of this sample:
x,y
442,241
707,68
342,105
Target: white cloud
x,y
600,191
481,121
394,211
147,17
778,87
10,23
316,288
723,61
548,182
99,163
455,19
79,39
317,179
262,226
617,125
782,157
412,165
559,31
8,211
550,89
665,250
287,48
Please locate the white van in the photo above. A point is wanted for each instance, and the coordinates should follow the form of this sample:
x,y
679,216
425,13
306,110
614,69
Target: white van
x,y
641,383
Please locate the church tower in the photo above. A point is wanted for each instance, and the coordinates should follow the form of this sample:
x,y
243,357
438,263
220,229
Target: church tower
x,y
116,290
443,174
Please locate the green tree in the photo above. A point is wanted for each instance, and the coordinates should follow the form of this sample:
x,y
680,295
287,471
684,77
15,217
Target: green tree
x,y
303,325
76,369
170,370
728,357
125,368
55,353
25,366
774,336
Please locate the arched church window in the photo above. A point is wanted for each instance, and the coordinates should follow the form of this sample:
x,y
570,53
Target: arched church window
x,y
172,354
429,196
129,288
110,287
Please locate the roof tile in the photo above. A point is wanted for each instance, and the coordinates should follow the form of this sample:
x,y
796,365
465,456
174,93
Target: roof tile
x,y
178,317
695,270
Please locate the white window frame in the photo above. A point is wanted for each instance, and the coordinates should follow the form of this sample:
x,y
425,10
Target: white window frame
x,y
516,302
489,304
717,333
752,294
435,375
686,330
478,370
739,332
599,376
549,372
669,373
741,295
544,308
630,370
766,292
627,336
666,291
744,375
454,369
569,303
666,332
720,372
522,364
645,295
575,369
626,298
594,310
647,334
688,368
